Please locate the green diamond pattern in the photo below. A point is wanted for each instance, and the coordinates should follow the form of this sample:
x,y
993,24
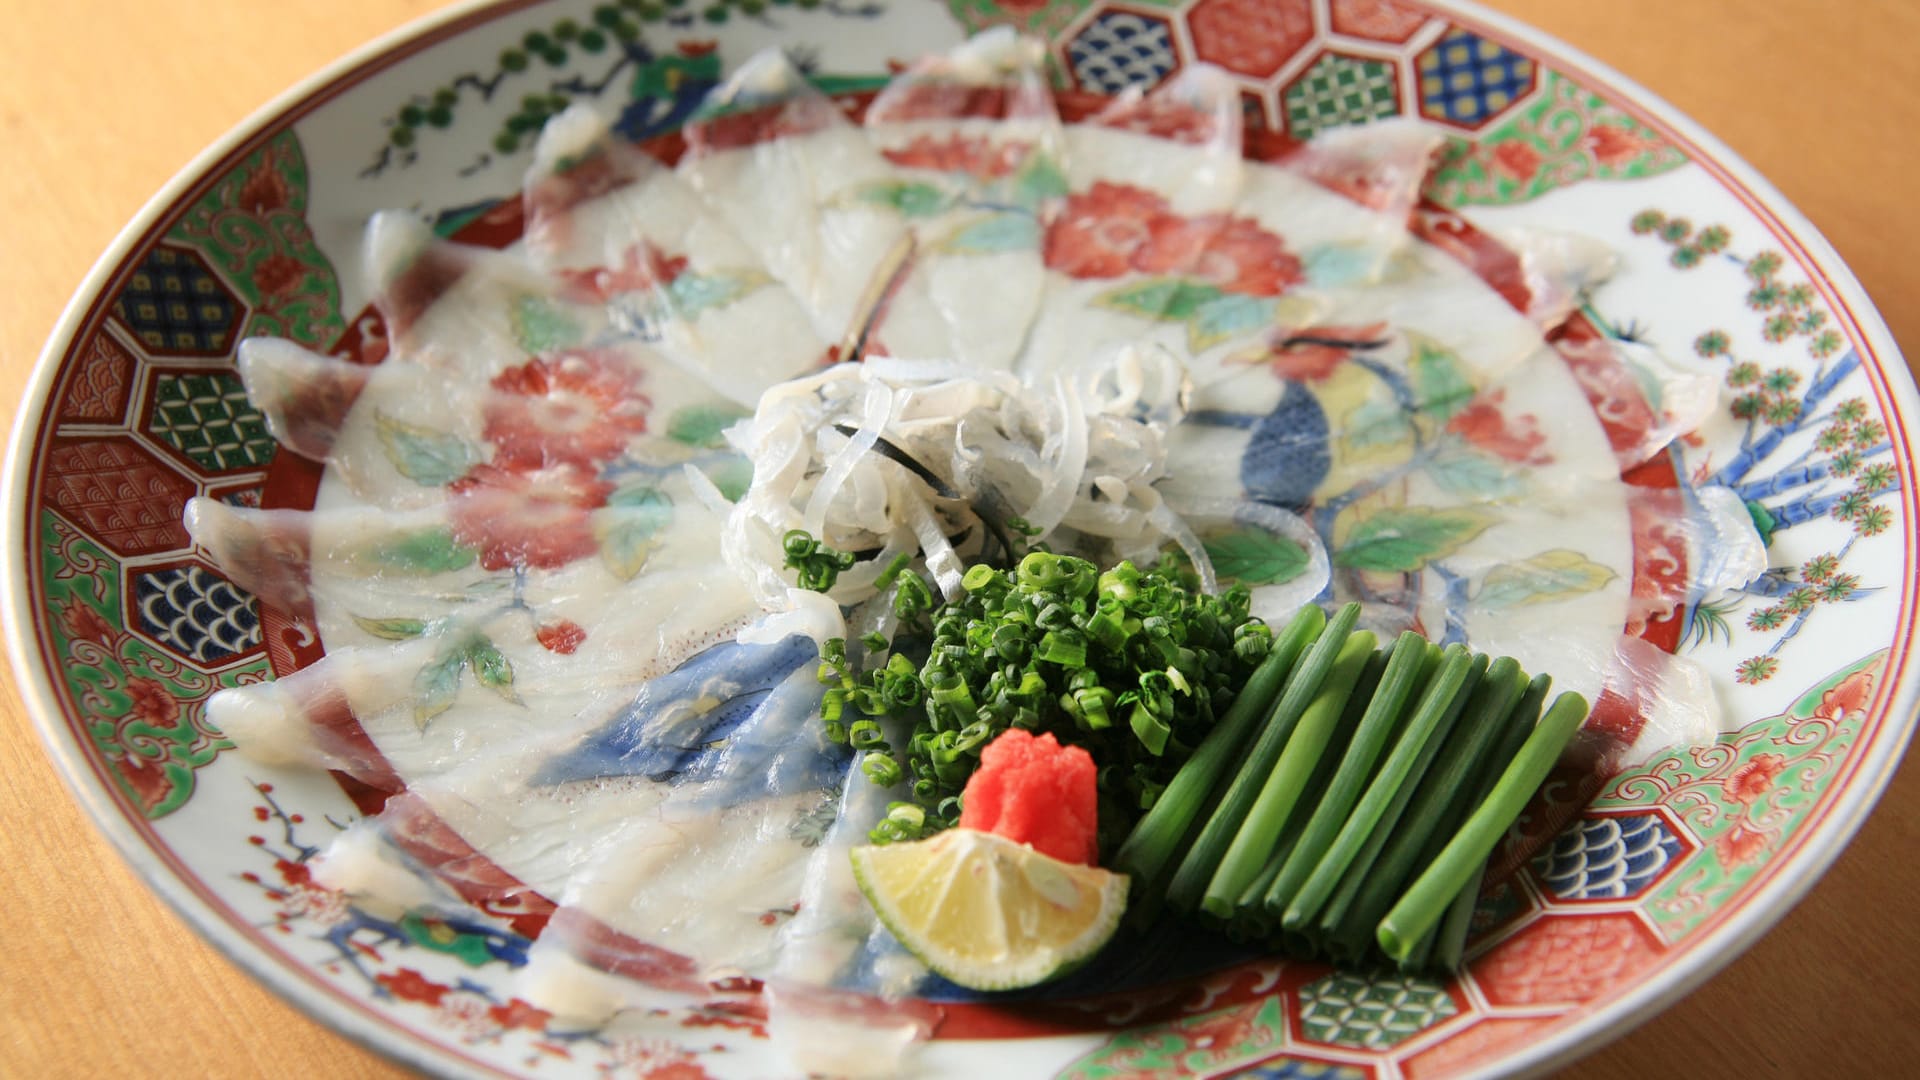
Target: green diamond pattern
x,y
1339,91
1349,1010
209,419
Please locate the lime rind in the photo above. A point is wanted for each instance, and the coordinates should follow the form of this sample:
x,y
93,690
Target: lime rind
x,y
987,913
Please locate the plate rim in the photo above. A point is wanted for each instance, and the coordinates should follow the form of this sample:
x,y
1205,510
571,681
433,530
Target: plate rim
x,y
285,977
280,974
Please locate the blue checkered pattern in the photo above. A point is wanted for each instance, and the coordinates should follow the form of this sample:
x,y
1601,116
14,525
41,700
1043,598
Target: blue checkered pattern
x,y
176,305
1469,80
1119,49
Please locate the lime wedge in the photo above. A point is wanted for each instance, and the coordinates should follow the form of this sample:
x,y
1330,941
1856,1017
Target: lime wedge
x,y
986,912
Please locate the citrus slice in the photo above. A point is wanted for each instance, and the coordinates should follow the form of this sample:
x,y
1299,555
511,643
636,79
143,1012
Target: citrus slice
x,y
989,913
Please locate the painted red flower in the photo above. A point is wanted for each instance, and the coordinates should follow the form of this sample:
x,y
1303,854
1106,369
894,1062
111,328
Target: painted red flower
x,y
678,1070
1313,354
83,623
148,780
1850,696
1099,230
1750,781
518,1014
278,273
578,407
1516,159
264,191
974,155
1234,253
642,267
153,704
1163,118
409,985
537,518
1616,145
1739,845
562,636
1485,426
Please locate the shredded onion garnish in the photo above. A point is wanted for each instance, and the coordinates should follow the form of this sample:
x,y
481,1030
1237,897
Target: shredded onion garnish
x,y
927,461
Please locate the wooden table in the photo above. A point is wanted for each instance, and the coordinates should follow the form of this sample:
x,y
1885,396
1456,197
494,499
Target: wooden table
x,y
100,102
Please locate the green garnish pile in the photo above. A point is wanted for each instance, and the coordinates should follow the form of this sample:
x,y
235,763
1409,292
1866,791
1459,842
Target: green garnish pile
x,y
1132,664
1306,788
1347,804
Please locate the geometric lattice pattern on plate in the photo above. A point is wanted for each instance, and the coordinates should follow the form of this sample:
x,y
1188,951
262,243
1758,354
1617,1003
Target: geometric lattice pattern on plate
x,y
177,306
208,418
1609,857
1339,91
1468,80
1353,1010
101,382
119,494
1119,49
1376,20
1565,959
196,613
1254,38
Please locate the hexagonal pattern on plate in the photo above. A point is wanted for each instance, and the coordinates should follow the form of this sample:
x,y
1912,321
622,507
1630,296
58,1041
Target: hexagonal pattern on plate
x,y
1292,1067
1609,856
1376,20
177,306
194,612
1465,1052
1340,91
1250,37
205,415
1119,49
119,494
1565,959
99,381
1372,1013
1467,80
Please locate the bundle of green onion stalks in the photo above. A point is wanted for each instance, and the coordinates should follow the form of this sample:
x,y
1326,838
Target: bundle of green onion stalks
x,y
1346,804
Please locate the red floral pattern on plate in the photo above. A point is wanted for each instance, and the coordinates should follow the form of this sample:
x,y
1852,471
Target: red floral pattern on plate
x,y
1615,144
153,703
576,408
1112,229
1516,159
538,518
1234,253
277,274
409,985
82,623
642,268
1752,780
1739,845
1516,439
974,155
562,636
1313,354
1099,230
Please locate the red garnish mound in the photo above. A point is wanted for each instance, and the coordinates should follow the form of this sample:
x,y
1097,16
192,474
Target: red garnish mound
x,y
1034,791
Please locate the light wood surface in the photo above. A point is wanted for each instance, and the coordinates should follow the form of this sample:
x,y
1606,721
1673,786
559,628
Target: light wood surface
x,y
101,102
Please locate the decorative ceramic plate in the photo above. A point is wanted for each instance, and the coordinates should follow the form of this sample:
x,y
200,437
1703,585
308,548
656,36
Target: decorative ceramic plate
x,y
1581,451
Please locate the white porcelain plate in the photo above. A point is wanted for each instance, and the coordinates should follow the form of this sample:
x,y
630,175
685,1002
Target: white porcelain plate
x,y
1618,432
